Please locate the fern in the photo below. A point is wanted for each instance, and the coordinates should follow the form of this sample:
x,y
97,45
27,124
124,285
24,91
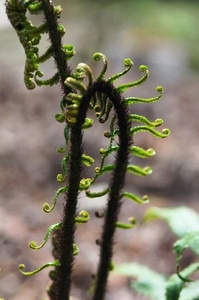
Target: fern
x,y
81,92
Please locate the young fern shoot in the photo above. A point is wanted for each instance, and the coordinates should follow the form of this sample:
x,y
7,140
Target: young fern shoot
x,y
81,92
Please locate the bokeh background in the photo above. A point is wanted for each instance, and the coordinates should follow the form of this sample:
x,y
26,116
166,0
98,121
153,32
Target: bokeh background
x,y
162,34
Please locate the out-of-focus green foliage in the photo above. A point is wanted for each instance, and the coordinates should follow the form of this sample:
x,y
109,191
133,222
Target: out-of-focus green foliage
x,y
155,285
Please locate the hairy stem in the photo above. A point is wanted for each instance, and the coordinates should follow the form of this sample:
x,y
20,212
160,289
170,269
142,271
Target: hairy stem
x,y
66,237
55,37
116,185
64,271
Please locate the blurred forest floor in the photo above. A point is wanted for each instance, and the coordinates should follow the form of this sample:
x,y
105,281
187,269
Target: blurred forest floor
x,y
29,136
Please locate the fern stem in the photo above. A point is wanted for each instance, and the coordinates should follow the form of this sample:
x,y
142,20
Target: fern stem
x,y
55,37
116,185
66,239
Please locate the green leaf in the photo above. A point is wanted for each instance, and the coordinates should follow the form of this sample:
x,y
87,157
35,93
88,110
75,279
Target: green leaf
x,y
147,282
190,240
185,273
180,220
190,292
173,287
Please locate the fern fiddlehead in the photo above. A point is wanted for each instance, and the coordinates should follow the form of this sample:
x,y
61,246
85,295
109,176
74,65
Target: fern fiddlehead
x,y
30,35
107,102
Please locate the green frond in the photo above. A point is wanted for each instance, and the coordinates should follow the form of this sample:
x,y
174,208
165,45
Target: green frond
x,y
123,87
64,166
82,67
163,134
82,217
37,30
35,7
87,124
33,244
99,104
57,10
142,128
67,139
97,57
87,160
128,64
142,153
30,36
132,100
61,150
22,267
97,194
30,67
75,84
29,83
104,115
142,119
45,56
137,170
109,150
68,50
85,184
74,98
51,81
71,112
62,31
60,178
60,118
136,198
105,169
47,207
67,134
131,224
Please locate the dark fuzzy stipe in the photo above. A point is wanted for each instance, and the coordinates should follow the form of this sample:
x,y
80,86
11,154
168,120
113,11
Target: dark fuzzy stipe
x,y
62,283
66,238
55,37
116,185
